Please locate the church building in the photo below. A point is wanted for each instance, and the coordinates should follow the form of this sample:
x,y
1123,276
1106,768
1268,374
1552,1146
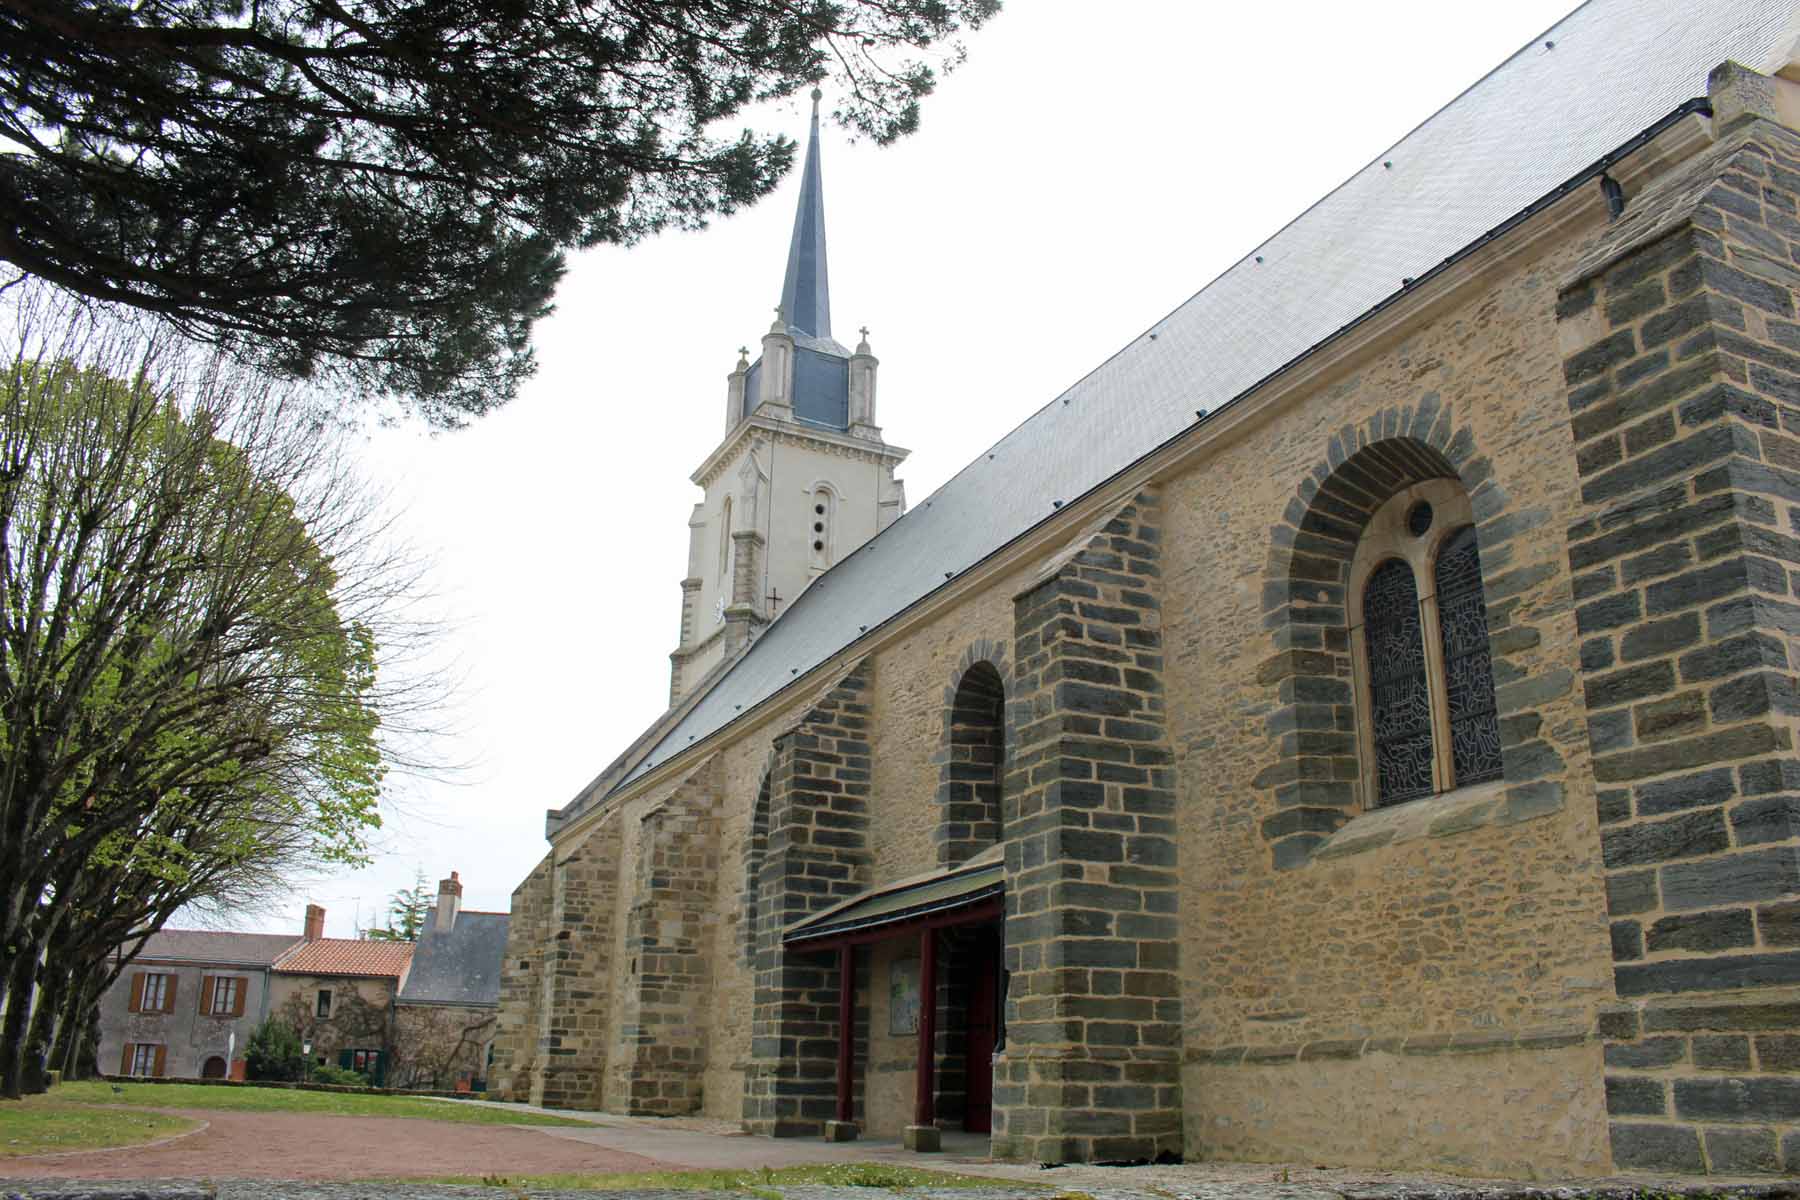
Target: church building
x,y
1354,724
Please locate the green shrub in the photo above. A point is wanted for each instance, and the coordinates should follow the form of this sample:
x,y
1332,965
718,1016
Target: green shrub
x,y
274,1052
338,1075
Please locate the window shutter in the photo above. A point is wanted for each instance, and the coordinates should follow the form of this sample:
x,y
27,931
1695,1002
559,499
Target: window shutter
x,y
125,1062
237,1004
137,992
169,995
156,1068
206,993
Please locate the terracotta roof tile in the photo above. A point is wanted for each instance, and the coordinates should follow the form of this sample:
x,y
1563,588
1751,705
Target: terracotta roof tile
x,y
346,956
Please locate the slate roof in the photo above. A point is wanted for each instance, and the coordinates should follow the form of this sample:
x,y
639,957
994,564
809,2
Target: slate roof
x,y
346,956
1585,87
459,967
216,947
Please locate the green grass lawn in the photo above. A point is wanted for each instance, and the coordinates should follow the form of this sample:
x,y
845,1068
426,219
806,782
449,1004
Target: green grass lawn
x,y
40,1125
255,1099
761,1182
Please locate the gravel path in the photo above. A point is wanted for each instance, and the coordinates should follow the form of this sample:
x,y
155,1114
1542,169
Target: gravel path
x,y
307,1146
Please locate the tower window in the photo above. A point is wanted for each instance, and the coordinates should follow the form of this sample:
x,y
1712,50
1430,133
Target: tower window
x,y
824,512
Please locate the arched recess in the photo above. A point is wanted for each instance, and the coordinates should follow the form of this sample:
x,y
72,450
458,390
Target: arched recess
x,y
1319,778
972,761
756,850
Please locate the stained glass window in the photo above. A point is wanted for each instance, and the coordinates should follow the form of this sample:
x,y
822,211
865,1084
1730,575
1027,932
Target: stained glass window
x,y
1401,700
1468,663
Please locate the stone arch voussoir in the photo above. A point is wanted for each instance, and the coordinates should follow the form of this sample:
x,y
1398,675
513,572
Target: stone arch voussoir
x,y
1314,780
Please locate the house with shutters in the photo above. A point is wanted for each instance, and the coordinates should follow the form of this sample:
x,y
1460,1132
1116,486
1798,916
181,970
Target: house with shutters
x,y
338,995
185,1006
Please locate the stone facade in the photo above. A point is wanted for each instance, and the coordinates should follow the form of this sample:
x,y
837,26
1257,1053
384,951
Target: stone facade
x,y
1222,937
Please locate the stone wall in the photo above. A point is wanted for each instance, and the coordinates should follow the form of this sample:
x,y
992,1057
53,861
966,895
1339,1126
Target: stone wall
x,y
577,973
1383,963
518,1023
670,921
817,855
1683,373
1090,1072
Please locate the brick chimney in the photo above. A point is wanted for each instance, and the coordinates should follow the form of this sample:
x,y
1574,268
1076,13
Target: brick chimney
x,y
315,922
449,902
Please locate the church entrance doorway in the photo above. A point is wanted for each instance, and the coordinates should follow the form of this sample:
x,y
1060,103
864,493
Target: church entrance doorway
x,y
983,1034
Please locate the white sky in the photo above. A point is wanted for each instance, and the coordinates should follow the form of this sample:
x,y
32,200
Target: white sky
x,y
1089,168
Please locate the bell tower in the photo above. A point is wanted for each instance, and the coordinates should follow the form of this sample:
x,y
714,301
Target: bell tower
x,y
802,477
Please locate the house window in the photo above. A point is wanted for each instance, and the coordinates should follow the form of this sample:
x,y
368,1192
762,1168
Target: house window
x,y
227,996
364,1061
144,1059
153,992
324,1009
1419,620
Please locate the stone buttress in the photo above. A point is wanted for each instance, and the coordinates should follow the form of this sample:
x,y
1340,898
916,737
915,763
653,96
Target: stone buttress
x,y
1681,336
1091,1067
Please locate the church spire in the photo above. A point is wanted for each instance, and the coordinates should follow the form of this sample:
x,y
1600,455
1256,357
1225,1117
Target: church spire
x,y
806,292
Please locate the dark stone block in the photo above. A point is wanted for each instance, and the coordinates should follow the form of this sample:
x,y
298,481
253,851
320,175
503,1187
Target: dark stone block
x,y
1630,1096
1688,1017
1780,923
1632,683
1610,731
1627,941
1609,613
1673,717
1677,460
1687,791
1708,974
1655,638
1631,892
1296,851
1722,1052
1743,1152
1731,656
1594,583
1739,741
1655,563
1668,1149
1738,1099
1685,836
1778,1052
1649,1053
1732,879
1613,806
1752,696
1766,819
1725,930
1699,586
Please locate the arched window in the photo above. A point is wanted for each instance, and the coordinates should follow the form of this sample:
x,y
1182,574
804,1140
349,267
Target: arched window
x,y
821,527
1419,629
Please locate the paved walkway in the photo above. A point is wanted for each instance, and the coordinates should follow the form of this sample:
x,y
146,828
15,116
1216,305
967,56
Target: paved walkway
x,y
287,1156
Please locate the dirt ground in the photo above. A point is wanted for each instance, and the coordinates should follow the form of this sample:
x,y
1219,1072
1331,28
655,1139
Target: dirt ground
x,y
243,1145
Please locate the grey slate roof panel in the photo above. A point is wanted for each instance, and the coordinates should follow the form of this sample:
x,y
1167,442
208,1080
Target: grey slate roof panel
x,y
1542,116
459,967
217,947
